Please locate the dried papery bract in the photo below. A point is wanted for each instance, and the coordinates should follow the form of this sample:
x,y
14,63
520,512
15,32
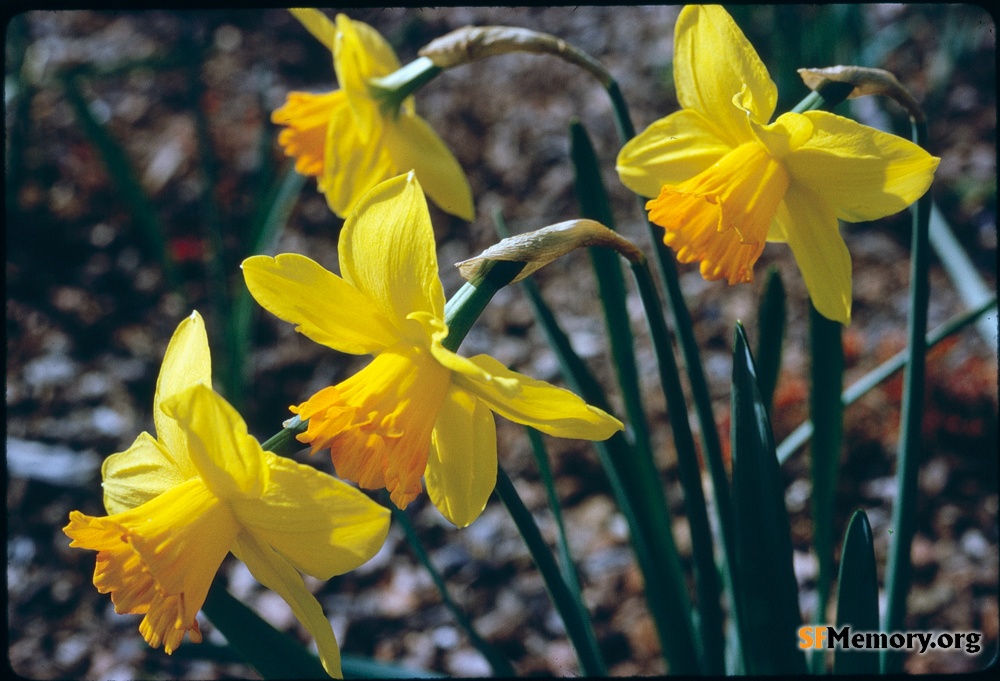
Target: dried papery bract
x,y
866,81
470,43
538,248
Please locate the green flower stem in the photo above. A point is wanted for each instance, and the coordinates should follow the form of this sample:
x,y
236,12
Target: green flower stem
x,y
636,487
464,308
866,383
574,614
827,376
911,414
283,443
392,89
639,496
545,472
706,575
684,327
826,96
500,665
592,198
460,313
826,372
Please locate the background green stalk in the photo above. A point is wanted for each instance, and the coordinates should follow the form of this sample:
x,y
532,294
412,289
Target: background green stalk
x,y
827,376
498,663
684,327
120,169
640,499
898,568
574,614
592,198
594,204
826,372
710,621
883,371
461,311
566,563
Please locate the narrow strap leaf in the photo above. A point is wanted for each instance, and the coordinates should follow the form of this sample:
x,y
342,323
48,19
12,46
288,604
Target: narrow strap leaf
x,y
771,320
883,371
636,492
898,568
857,596
592,197
710,623
274,654
767,593
500,665
548,482
825,406
120,169
594,204
574,614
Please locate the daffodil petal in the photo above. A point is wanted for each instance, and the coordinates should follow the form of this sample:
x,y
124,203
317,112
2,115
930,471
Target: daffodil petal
x,y
713,62
387,250
324,307
808,225
321,525
671,150
788,133
159,559
361,54
524,400
355,157
318,24
228,459
462,465
861,172
143,471
270,569
186,362
414,145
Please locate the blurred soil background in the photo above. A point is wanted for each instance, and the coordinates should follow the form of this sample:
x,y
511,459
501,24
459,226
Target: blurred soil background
x,y
187,96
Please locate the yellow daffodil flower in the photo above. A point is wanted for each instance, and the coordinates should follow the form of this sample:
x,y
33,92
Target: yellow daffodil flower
x,y
418,409
726,180
348,142
180,502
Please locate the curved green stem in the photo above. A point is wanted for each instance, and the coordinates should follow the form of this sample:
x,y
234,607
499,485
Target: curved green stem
x,y
898,568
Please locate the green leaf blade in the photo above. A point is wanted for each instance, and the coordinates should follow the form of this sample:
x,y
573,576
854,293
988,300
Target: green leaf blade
x,y
767,593
857,596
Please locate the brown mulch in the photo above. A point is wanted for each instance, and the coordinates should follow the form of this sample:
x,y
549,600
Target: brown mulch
x,y
89,313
